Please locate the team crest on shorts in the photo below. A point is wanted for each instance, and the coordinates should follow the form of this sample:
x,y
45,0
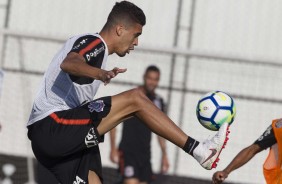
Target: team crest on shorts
x,y
128,171
278,124
97,106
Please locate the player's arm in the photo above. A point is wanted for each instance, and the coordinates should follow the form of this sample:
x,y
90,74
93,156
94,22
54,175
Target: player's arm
x,y
114,154
266,140
242,158
164,161
76,65
82,60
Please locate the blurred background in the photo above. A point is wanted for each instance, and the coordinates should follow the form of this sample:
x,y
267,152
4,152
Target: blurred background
x,y
200,46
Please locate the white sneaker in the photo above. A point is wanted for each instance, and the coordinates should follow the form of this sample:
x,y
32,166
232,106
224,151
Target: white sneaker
x,y
207,152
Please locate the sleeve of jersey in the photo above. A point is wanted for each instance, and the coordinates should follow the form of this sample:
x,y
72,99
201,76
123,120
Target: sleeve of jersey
x,y
88,47
267,139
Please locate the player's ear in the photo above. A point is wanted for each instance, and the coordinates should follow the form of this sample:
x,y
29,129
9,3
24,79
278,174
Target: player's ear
x,y
119,30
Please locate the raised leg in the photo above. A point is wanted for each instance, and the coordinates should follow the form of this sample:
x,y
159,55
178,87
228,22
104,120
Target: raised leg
x,y
134,102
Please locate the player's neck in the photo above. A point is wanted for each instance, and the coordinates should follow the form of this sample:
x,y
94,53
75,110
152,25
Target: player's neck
x,y
106,35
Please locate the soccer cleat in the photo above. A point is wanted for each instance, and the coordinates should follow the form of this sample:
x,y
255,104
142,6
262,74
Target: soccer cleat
x,y
207,152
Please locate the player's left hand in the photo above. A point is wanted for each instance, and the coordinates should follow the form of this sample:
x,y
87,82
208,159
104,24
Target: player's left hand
x,y
165,164
112,73
219,177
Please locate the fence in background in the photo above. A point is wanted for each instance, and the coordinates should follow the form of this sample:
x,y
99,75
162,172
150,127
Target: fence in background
x,y
253,82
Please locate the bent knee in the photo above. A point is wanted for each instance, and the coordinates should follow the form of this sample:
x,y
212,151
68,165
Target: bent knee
x,y
136,97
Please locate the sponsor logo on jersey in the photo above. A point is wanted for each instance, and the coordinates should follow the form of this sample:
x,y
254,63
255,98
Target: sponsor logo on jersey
x,y
97,106
94,53
91,138
278,123
80,44
266,133
78,180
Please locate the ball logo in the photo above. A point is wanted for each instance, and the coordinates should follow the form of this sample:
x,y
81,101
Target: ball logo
x,y
97,106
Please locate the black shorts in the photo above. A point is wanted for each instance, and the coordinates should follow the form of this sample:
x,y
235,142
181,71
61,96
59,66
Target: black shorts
x,y
133,166
66,142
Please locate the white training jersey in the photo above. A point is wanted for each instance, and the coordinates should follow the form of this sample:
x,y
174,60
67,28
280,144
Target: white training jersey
x,y
61,91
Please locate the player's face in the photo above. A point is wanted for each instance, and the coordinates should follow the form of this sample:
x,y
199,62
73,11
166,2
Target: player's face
x,y
151,80
128,39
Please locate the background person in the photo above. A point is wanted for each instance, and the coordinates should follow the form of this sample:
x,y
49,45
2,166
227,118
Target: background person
x,y
134,152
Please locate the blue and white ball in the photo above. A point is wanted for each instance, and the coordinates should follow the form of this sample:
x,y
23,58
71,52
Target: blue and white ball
x,y
214,109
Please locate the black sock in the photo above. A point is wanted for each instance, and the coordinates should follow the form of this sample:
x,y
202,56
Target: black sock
x,y
190,145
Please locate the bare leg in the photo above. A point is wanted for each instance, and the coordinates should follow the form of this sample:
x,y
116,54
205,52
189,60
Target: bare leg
x,y
131,181
134,102
93,178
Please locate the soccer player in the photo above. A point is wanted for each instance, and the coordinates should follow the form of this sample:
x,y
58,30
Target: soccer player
x,y
271,138
134,151
66,123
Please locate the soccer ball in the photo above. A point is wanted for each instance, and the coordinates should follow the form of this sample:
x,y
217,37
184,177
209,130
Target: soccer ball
x,y
214,109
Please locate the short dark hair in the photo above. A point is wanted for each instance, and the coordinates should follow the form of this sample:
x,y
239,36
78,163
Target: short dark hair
x,y
126,11
152,68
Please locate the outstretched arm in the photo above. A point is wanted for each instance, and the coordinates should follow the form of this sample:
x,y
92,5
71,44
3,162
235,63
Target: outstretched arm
x,y
242,157
76,65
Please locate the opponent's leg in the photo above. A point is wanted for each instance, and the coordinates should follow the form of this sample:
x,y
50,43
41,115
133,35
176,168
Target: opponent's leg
x,y
134,102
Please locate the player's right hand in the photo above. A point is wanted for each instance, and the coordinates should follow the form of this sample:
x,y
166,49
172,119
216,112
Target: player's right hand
x,y
219,177
114,156
106,76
